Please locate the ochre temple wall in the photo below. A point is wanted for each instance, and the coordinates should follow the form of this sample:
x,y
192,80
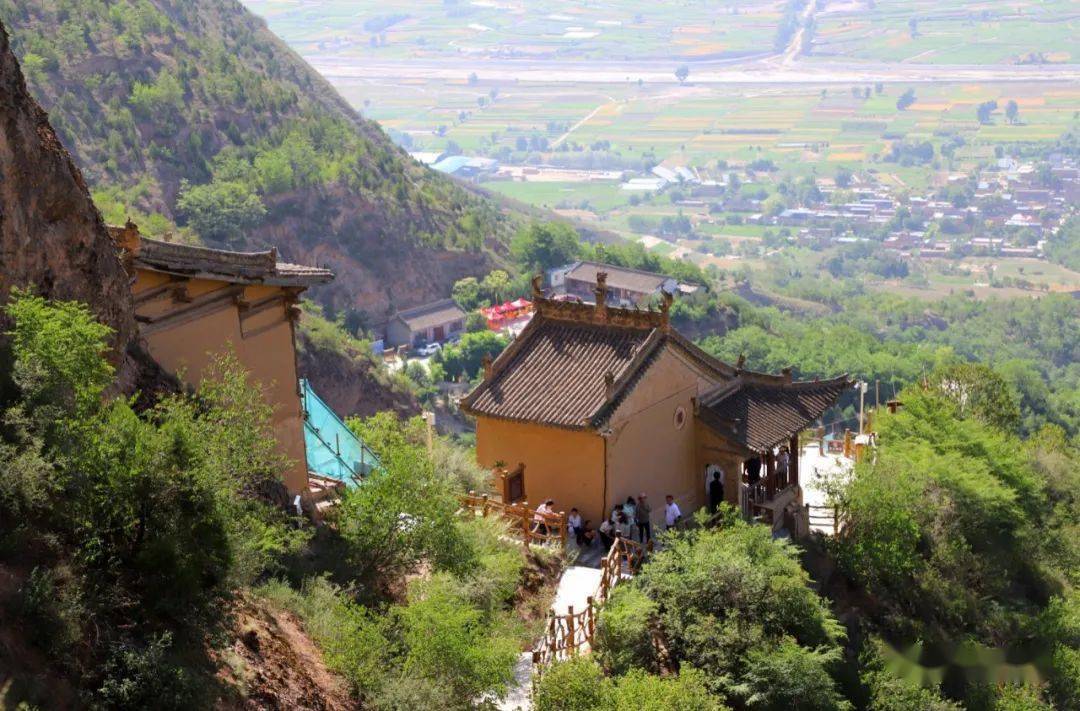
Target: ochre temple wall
x,y
262,340
561,464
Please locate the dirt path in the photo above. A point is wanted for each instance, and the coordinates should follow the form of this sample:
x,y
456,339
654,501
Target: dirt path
x,y
796,47
582,122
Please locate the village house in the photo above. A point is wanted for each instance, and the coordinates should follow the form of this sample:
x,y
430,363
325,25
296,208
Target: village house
x,y
193,304
625,287
592,404
430,323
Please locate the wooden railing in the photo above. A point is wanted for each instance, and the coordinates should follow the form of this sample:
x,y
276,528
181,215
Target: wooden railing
x,y
566,635
824,517
525,523
573,633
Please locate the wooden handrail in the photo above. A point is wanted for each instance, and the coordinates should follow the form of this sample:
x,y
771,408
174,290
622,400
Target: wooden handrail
x,y
573,633
522,519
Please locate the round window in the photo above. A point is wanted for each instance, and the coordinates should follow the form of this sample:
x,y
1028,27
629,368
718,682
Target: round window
x,y
680,417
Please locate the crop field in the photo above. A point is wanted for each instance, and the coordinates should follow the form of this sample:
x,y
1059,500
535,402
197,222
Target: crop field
x,y
802,128
693,29
947,31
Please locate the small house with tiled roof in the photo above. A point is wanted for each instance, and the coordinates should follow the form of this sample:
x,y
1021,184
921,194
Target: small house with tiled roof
x,y
625,287
429,323
597,403
193,304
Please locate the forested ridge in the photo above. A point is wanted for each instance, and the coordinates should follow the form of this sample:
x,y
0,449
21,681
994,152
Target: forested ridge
x,y
193,114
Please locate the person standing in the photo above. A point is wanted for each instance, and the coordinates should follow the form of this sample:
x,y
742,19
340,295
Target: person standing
x,y
629,509
783,464
672,513
643,517
716,492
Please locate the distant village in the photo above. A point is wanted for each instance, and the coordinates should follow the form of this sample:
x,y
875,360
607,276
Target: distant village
x,y
1007,209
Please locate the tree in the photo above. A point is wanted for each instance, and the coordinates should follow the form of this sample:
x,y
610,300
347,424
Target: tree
x,y
1012,111
682,72
220,211
906,99
985,109
727,599
466,293
843,177
497,285
545,245
466,356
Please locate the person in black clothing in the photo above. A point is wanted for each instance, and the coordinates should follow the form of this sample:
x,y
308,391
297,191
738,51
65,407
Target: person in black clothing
x,y
716,492
753,470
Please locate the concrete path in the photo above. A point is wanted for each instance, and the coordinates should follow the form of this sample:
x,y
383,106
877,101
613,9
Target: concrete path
x,y
518,699
816,471
576,586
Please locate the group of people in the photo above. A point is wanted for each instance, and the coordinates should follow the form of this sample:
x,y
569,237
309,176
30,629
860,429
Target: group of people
x,y
626,519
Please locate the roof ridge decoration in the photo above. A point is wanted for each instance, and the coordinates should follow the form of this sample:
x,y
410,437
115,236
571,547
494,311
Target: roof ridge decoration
x,y
601,313
196,261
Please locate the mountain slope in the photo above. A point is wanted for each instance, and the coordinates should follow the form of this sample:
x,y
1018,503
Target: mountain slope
x,y
191,111
52,240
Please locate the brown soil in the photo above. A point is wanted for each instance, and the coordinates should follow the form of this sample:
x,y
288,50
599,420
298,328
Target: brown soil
x,y
275,665
536,593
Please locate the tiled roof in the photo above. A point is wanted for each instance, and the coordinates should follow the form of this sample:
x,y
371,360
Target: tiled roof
x,y
237,267
556,372
437,313
763,411
618,277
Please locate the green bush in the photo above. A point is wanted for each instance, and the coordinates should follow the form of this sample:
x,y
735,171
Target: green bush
x,y
736,604
351,639
451,642
579,684
787,675
574,685
623,634
142,676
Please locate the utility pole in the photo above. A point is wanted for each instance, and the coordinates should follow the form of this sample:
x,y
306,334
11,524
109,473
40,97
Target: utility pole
x,y
862,399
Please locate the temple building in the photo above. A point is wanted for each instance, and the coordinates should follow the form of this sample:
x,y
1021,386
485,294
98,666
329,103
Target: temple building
x,y
193,304
592,404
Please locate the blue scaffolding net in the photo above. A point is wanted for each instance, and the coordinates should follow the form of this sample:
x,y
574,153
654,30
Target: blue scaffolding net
x,y
332,449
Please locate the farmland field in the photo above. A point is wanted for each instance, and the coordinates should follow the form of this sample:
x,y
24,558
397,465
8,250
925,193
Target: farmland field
x,y
553,85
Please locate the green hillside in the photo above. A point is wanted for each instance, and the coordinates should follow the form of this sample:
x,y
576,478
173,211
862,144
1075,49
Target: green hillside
x,y
193,115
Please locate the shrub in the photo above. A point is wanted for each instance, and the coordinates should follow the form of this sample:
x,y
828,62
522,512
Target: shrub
x,y
639,691
451,642
730,598
623,635
787,676
577,684
141,676
351,639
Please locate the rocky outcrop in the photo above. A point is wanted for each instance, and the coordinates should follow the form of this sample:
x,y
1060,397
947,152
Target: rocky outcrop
x,y
52,238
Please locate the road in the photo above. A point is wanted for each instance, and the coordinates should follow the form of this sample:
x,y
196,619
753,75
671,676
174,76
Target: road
x,y
337,69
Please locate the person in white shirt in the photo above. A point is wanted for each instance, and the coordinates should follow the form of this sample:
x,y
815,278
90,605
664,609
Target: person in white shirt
x,y
576,525
607,534
672,513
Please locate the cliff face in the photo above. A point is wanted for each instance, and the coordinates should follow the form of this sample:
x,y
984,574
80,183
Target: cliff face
x,y
52,238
